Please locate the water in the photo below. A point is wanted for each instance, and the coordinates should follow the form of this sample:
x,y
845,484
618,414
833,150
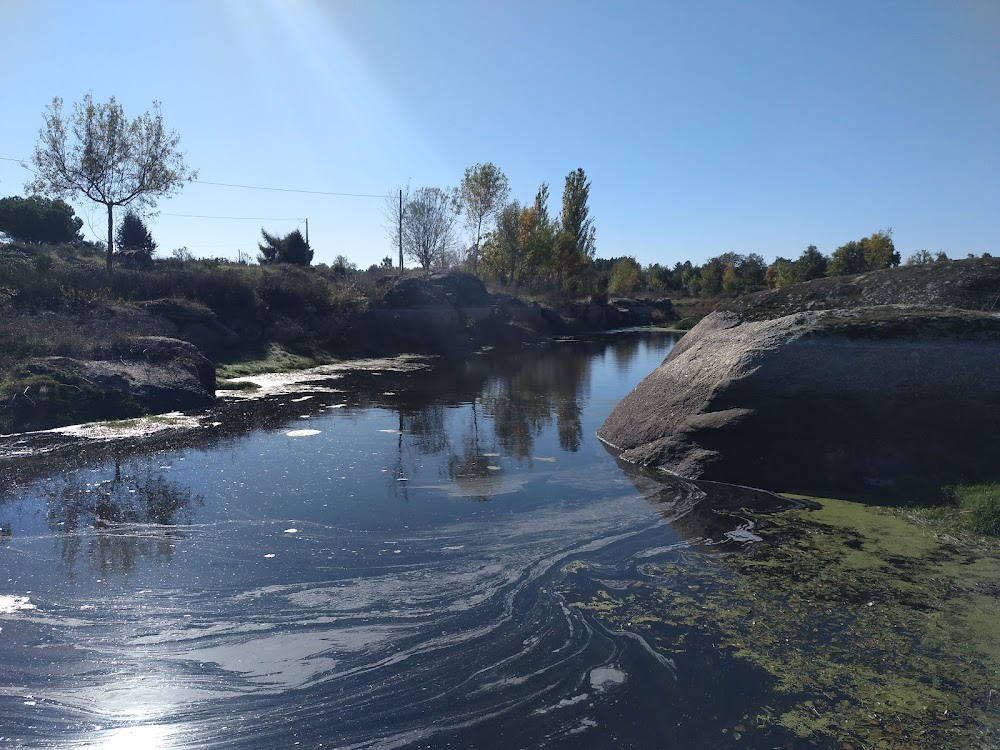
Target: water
x,y
401,557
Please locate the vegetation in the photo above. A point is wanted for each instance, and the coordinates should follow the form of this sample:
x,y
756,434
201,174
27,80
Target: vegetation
x,y
429,217
133,235
483,193
965,507
292,249
98,153
38,220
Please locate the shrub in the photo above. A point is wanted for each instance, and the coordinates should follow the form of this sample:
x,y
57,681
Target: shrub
x,y
979,506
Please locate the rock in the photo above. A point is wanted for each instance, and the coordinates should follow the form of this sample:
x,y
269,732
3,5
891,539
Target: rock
x,y
817,389
156,375
194,322
412,292
460,289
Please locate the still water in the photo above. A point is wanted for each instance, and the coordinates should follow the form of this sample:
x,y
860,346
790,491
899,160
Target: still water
x,y
413,555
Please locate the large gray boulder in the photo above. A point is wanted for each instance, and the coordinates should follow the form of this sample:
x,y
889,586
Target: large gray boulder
x,y
878,381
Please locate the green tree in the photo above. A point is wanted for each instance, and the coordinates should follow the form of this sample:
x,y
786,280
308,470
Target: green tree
x,y
98,153
710,277
730,281
483,194
505,252
868,254
576,221
574,245
38,220
812,264
880,252
292,248
625,277
847,259
783,272
133,234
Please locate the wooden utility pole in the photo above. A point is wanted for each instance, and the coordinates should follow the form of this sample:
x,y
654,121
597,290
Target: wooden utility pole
x,y
401,231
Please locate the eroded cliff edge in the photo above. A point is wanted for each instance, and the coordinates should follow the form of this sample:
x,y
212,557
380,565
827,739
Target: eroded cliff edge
x,y
871,382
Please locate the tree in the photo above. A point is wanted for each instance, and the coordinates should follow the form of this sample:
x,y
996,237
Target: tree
x,y
99,153
483,193
343,267
429,225
868,254
576,222
847,259
812,264
292,248
730,280
134,235
880,252
625,277
38,220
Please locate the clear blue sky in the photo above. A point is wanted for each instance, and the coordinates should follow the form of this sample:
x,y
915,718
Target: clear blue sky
x,y
704,127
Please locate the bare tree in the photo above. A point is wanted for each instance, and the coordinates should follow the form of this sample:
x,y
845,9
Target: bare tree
x,y
429,218
98,152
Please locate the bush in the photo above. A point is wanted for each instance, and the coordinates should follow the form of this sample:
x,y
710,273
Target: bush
x,y
979,507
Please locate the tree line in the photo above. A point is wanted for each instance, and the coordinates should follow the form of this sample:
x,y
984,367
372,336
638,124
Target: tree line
x,y
510,243
97,153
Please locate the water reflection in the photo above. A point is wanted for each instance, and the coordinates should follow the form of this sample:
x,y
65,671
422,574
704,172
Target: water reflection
x,y
234,585
113,522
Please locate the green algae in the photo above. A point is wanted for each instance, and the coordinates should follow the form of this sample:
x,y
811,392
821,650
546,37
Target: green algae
x,y
868,629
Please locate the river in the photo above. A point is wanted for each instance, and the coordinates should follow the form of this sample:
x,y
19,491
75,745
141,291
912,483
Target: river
x,y
410,554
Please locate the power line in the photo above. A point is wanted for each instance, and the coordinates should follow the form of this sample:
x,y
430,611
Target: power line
x,y
288,190
252,187
237,218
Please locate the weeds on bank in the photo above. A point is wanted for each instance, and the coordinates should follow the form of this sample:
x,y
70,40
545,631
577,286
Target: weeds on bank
x,y
275,358
961,508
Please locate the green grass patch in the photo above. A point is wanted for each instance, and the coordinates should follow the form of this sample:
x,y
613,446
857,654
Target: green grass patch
x,y
273,358
978,507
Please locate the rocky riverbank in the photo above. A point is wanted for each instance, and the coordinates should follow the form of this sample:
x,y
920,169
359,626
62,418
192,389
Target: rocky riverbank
x,y
158,355
873,383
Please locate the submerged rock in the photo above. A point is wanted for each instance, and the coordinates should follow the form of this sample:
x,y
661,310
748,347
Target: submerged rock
x,y
830,386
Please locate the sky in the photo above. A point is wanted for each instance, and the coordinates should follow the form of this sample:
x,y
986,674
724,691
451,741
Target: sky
x,y
704,127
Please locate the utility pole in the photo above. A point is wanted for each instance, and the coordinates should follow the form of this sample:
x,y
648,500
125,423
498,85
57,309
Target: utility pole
x,y
307,231
401,231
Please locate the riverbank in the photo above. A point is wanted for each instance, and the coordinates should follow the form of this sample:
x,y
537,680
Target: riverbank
x,y
75,344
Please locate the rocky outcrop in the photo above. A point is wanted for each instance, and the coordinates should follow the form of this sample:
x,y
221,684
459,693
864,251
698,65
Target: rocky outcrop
x,y
450,312
193,322
872,382
156,375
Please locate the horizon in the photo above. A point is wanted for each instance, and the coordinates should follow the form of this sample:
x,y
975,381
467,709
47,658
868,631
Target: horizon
x,y
707,129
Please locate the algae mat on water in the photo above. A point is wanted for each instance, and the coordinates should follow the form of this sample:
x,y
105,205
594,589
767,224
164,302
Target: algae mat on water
x,y
864,629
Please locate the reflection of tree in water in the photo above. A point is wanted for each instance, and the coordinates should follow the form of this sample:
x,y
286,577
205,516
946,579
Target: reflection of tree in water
x,y
527,396
427,428
132,516
624,351
475,473
545,389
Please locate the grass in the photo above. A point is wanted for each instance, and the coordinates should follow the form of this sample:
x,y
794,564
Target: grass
x,y
965,511
274,358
